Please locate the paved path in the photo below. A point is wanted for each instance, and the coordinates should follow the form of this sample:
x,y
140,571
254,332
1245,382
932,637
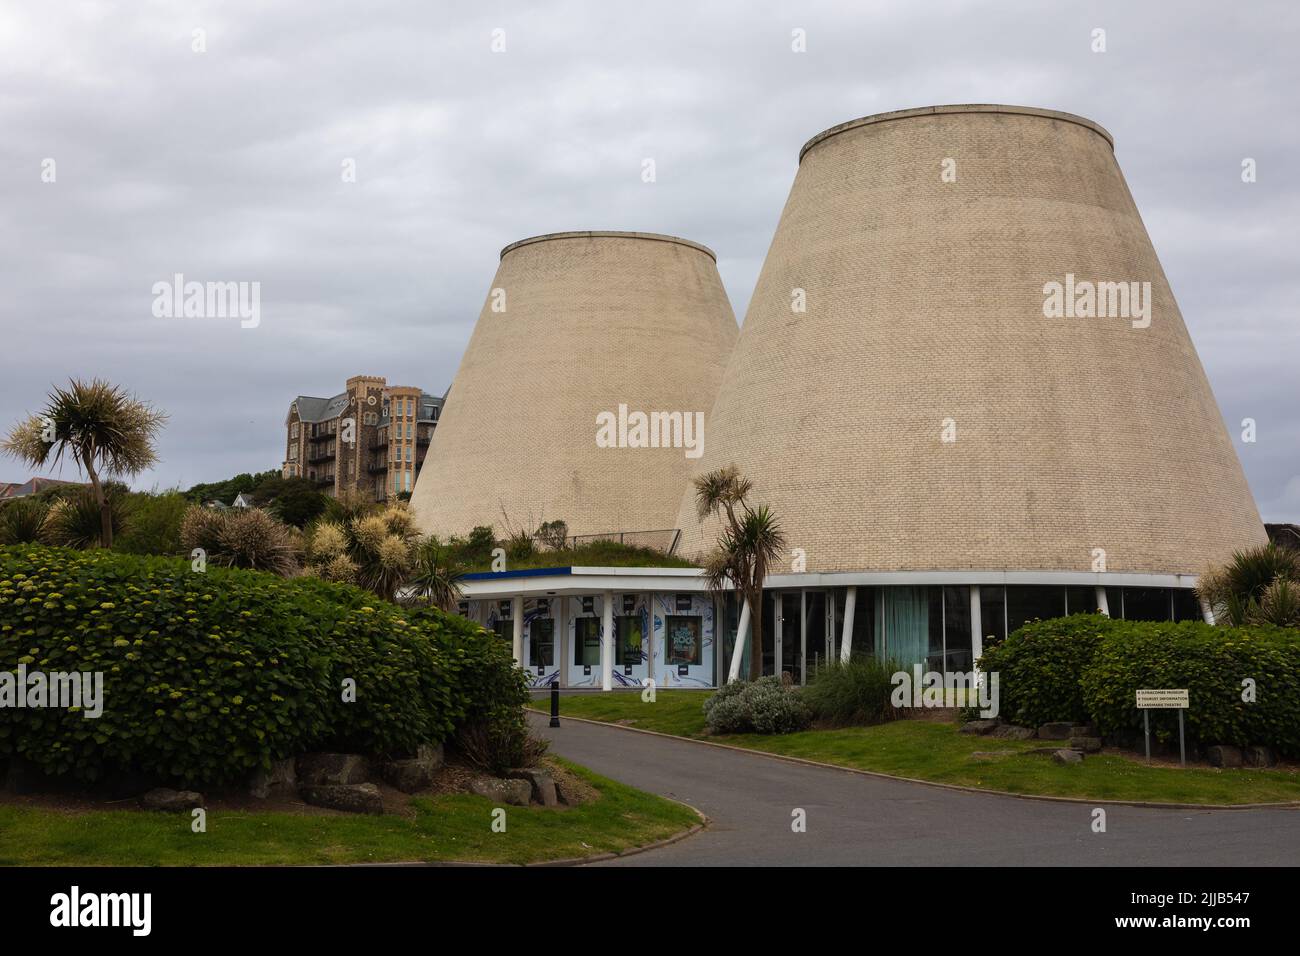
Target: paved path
x,y
858,820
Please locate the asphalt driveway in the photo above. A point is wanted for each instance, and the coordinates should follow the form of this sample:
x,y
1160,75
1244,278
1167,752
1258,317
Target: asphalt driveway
x,y
855,820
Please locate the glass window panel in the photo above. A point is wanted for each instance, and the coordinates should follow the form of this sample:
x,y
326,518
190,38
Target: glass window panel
x,y
629,638
1146,604
956,620
1033,602
993,607
1081,600
815,628
683,639
586,641
1186,606
541,642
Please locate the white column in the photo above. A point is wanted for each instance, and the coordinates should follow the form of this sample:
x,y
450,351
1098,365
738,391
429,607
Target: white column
x,y
742,635
1207,612
562,651
607,641
1100,597
976,628
517,627
846,641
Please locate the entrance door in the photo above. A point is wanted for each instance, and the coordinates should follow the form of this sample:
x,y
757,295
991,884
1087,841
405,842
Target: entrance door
x,y
816,649
789,635
541,653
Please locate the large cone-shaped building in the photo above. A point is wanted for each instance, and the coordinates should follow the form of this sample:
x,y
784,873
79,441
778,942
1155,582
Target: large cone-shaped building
x,y
577,326
910,392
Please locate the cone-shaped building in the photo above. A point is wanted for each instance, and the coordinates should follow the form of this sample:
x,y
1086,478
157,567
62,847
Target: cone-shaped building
x,y
962,354
581,333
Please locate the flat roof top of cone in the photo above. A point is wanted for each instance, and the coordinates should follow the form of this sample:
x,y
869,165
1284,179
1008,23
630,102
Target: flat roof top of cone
x,y
610,234
957,108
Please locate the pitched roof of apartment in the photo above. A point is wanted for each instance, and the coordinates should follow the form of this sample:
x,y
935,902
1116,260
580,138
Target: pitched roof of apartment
x,y
314,410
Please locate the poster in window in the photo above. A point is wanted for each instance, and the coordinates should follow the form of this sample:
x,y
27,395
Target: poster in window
x,y
685,644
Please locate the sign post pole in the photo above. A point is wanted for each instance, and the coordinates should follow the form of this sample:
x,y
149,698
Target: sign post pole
x,y
1164,699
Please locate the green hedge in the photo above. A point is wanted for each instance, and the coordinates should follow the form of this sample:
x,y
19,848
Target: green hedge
x,y
1211,662
210,675
1087,668
1040,667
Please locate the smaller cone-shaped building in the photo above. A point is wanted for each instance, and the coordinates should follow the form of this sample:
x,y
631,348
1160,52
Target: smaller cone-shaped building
x,y
576,326
904,398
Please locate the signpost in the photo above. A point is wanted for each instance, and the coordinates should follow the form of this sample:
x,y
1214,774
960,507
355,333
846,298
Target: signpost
x,y
1164,699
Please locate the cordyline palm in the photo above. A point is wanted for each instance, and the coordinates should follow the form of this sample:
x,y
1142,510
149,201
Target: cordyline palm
x,y
436,580
751,541
102,428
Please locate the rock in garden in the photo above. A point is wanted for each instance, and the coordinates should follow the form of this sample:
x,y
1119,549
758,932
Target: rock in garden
x,y
979,726
1057,730
1221,755
513,792
409,775
431,754
542,782
1012,732
1088,745
172,801
350,797
281,778
332,769
1067,756
1258,756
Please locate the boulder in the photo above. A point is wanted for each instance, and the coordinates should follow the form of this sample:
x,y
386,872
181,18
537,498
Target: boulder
x,y
1259,756
1058,730
542,782
1012,732
281,778
1221,755
350,797
980,726
172,801
321,769
430,754
409,775
513,792
1067,756
1087,745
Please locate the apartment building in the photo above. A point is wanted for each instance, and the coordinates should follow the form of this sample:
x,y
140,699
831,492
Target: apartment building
x,y
372,437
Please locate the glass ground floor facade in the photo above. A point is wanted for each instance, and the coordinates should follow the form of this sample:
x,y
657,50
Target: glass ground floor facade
x,y
672,630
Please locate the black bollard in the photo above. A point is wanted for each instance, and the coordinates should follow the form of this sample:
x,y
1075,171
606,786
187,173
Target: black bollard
x,y
555,704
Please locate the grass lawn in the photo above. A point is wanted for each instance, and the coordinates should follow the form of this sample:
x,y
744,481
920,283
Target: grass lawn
x,y
936,751
451,827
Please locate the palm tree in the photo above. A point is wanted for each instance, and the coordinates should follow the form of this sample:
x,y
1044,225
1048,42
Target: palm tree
x,y
750,543
435,580
102,428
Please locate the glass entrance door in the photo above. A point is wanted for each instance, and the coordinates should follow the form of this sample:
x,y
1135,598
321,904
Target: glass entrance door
x,y
815,648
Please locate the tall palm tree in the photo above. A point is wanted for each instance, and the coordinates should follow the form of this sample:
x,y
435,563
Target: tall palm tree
x,y
750,542
103,429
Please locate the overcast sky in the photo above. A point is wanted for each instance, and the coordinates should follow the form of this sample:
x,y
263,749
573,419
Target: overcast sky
x,y
226,165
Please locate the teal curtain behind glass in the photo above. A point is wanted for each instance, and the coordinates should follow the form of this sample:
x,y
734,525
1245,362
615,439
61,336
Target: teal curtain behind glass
x,y
904,632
